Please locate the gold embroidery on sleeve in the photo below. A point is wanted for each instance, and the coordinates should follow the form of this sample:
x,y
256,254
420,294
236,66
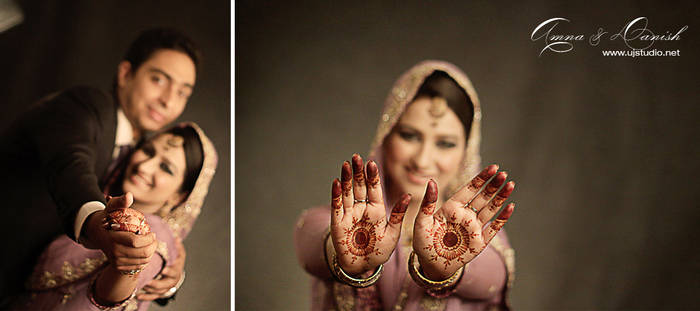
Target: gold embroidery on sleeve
x,y
508,255
42,280
162,249
131,305
431,303
344,297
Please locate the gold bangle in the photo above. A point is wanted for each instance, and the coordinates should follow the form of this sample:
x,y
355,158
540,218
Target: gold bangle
x,y
341,276
112,306
424,282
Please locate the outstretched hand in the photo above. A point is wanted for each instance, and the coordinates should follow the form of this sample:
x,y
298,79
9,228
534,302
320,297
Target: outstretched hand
x,y
126,250
360,233
448,238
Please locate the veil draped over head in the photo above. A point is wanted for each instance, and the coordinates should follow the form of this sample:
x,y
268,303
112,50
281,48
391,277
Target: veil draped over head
x,y
403,93
181,218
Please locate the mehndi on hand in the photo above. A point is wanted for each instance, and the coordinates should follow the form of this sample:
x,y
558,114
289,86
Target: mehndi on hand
x,y
362,237
448,238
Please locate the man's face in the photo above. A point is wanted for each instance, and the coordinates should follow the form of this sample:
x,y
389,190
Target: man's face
x,y
156,93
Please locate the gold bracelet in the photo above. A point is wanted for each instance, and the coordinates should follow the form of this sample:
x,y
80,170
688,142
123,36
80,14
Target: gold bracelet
x,y
112,306
341,276
424,282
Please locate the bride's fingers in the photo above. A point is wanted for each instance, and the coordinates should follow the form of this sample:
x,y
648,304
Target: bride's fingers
x,y
497,224
480,201
428,205
495,204
359,188
374,188
346,186
123,201
397,214
336,203
466,193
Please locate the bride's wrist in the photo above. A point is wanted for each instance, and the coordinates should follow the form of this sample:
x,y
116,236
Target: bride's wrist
x,y
363,279
433,273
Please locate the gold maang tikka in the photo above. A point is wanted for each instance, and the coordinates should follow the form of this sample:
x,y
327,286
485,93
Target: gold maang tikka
x,y
438,107
175,141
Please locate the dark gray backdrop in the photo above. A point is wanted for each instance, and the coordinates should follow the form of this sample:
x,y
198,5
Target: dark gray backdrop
x,y
604,149
66,43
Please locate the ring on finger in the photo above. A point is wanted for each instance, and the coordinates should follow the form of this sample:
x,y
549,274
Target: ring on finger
x,y
360,201
170,292
472,208
130,272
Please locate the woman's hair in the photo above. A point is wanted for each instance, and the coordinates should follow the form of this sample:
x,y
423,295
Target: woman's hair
x,y
440,84
194,158
193,155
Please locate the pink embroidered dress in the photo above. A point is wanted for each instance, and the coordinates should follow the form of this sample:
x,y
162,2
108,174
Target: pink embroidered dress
x,y
63,272
484,284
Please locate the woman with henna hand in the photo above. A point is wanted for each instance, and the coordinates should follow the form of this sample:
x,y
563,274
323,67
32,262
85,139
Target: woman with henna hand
x,y
165,182
418,227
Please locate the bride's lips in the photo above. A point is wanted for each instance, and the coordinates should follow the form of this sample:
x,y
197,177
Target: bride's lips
x,y
417,178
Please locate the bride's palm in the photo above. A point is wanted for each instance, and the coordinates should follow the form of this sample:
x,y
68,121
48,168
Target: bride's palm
x,y
450,237
361,235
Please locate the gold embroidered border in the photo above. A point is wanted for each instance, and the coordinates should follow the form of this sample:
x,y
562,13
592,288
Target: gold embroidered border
x,y
431,303
162,249
42,280
508,255
344,297
182,217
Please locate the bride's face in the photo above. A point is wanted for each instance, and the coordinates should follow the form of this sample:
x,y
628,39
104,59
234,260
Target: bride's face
x,y
422,147
155,173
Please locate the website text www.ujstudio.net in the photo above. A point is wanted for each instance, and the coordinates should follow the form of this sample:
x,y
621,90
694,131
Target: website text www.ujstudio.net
x,y
641,53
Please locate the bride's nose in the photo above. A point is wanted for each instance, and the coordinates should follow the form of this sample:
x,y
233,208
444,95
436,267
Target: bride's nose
x,y
148,166
422,157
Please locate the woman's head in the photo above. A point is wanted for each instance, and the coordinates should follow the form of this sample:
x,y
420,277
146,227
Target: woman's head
x,y
430,137
164,169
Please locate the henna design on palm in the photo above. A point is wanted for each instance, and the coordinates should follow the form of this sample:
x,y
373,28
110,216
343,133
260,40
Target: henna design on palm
x,y
361,239
450,241
360,233
450,236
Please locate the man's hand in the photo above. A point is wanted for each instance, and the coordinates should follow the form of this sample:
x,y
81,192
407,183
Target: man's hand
x,y
168,278
128,251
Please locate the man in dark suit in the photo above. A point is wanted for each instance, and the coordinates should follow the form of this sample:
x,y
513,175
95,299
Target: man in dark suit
x,y
55,156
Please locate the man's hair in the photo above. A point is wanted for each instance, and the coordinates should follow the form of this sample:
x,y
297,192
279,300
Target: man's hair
x,y
151,40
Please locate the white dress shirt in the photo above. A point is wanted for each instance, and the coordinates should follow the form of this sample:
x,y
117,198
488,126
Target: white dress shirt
x,y
124,136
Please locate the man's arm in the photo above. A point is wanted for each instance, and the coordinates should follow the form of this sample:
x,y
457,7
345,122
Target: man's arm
x,y
66,133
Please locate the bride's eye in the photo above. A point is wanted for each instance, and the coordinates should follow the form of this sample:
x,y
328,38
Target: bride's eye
x,y
443,144
408,136
166,168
